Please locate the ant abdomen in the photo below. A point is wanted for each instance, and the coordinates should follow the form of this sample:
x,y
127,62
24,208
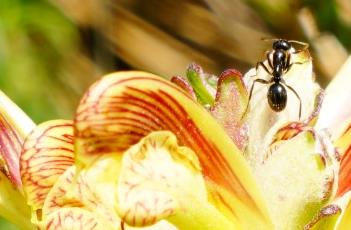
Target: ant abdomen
x,y
277,97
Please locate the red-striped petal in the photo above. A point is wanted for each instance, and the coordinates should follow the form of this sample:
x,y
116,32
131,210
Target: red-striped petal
x,y
47,153
14,127
73,190
182,83
73,218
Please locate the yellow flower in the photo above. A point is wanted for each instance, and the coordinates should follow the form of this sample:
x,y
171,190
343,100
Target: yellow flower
x,y
142,153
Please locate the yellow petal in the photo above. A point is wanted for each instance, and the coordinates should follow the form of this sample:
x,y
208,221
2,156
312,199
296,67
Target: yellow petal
x,y
75,191
48,152
345,221
160,179
343,140
72,190
73,219
13,205
161,225
124,107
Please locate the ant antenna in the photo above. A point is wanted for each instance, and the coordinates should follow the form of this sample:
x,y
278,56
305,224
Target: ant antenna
x,y
304,44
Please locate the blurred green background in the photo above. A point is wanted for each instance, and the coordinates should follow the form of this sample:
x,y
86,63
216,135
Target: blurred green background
x,y
51,51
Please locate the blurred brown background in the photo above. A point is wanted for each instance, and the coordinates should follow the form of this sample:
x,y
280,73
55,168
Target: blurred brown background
x,y
51,51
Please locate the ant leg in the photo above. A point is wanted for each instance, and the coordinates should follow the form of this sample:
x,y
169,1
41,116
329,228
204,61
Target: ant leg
x,y
260,64
287,64
262,81
263,65
269,60
297,95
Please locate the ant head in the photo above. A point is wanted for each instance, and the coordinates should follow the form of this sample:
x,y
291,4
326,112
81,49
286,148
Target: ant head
x,y
281,44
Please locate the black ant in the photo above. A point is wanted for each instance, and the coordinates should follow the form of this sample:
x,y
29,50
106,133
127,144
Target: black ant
x,y
279,60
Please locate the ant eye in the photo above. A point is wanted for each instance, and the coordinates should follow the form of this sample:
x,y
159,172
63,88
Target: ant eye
x,y
286,45
276,45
